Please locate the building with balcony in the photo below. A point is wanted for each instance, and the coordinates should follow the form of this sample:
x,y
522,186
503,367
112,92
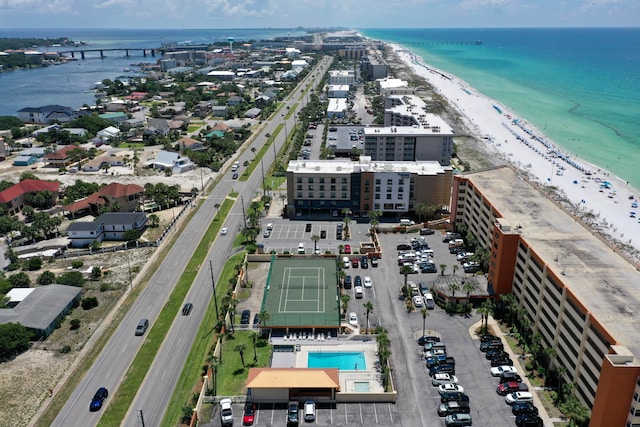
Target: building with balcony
x,y
578,294
341,77
327,186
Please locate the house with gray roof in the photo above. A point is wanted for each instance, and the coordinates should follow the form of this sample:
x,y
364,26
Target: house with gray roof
x,y
170,160
109,226
42,309
46,114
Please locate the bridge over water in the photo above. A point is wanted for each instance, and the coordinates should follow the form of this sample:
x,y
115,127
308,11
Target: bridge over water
x,y
145,50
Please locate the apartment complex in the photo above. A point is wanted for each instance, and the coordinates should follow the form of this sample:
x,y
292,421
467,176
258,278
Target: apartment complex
x,y
409,133
328,186
341,77
579,295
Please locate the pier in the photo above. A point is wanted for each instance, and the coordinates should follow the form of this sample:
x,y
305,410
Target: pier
x,y
444,42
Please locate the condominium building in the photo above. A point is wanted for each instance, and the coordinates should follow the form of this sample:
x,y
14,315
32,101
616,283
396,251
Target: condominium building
x,y
328,186
341,77
374,65
579,295
388,87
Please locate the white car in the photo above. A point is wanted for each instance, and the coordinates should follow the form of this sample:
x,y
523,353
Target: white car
x,y
439,379
518,397
499,370
418,301
367,282
224,231
443,388
226,413
353,319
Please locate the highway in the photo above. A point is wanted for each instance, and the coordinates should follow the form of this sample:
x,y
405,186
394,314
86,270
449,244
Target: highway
x,y
114,360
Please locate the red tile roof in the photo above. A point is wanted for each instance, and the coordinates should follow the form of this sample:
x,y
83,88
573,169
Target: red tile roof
x,y
61,154
27,186
114,190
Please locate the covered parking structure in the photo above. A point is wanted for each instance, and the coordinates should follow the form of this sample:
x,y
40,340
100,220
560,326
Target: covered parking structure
x,y
276,385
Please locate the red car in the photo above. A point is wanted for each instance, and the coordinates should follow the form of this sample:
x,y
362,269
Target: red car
x,y
510,387
347,249
249,414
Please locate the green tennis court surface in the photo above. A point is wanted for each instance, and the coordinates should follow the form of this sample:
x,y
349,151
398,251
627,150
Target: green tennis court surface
x,y
302,293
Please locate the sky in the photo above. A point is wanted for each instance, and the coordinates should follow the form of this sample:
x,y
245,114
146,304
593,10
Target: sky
x,y
196,14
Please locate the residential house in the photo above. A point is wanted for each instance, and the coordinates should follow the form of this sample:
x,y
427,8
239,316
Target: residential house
x,y
108,134
115,117
252,113
157,127
234,100
186,143
46,114
61,158
14,196
23,160
173,109
109,226
126,196
170,160
219,110
100,162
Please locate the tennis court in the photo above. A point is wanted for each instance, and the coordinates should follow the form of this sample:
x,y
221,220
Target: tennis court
x,y
302,292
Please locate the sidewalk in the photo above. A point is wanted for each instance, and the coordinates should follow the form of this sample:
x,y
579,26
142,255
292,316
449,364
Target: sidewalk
x,y
542,413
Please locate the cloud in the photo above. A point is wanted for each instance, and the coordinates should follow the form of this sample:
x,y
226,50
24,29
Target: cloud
x,y
478,4
597,4
231,8
110,3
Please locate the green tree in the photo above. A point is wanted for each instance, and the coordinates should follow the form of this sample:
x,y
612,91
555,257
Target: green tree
x,y
20,280
455,268
406,270
442,268
454,287
368,306
264,317
468,287
574,410
344,300
374,218
241,348
214,363
33,264
14,339
315,238
425,314
485,310
154,221
71,278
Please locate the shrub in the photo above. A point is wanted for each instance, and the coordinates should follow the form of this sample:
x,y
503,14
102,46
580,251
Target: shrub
x,y
66,349
75,324
77,264
89,302
71,278
33,264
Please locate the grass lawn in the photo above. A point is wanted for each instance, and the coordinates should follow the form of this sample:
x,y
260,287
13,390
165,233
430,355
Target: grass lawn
x,y
232,375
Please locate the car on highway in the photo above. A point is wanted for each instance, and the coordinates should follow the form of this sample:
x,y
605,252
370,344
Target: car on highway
x,y
249,415
440,379
235,176
353,319
499,370
186,310
226,412
443,388
367,282
98,399
224,231
143,324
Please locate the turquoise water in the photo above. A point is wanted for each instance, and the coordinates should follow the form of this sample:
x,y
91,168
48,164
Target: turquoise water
x,y
344,361
579,86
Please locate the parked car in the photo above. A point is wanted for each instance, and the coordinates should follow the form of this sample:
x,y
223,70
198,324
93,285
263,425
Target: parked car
x,y
426,232
491,345
364,262
489,337
529,421
403,247
98,399
428,267
353,319
245,317
449,408
347,282
354,263
359,292
518,397
323,234
427,338
309,411
444,388
501,362
457,420
444,368
357,281
509,387
440,379
510,376
495,354
418,301
499,370
454,396
266,233
367,282
374,262
307,228
347,249
292,414
524,408
248,417
226,413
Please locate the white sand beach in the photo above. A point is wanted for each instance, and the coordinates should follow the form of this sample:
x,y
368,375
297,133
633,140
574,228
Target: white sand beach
x,y
599,198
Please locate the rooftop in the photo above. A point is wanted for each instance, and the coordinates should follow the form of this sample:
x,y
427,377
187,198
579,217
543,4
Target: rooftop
x,y
604,282
365,164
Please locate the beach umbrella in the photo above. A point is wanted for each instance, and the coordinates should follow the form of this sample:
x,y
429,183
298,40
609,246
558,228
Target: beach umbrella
x,y
575,181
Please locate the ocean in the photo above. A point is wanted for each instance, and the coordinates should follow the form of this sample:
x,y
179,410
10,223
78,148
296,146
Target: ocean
x,y
580,86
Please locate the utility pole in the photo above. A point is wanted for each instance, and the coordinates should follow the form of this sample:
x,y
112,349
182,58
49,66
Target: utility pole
x,y
264,190
244,215
213,283
141,418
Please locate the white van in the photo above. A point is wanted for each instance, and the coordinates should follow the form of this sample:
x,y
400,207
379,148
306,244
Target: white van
x,y
301,248
429,302
235,166
406,221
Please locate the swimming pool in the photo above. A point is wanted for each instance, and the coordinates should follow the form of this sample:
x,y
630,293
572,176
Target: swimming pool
x,y
343,360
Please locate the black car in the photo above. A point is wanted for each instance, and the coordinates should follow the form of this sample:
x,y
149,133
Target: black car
x,y
443,368
428,267
98,399
491,345
323,234
426,232
374,262
256,319
357,281
427,338
489,337
529,421
501,362
364,262
524,408
492,354
292,414
245,317
307,228
510,376
453,396
347,282
187,309
403,247
235,176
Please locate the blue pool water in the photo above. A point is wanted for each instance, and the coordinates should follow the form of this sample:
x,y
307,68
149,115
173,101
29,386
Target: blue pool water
x,y
344,361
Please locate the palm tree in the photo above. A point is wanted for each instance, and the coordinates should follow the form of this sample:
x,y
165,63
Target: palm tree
x,y
561,372
455,268
406,270
315,239
442,268
453,287
240,348
468,287
217,206
368,306
264,317
374,216
341,274
254,340
154,220
344,300
485,310
550,352
213,364
425,313
574,410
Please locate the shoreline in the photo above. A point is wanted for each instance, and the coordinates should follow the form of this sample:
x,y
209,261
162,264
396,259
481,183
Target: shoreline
x,y
600,199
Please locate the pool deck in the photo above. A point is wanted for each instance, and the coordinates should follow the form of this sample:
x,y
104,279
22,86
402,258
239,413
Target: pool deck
x,y
351,381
